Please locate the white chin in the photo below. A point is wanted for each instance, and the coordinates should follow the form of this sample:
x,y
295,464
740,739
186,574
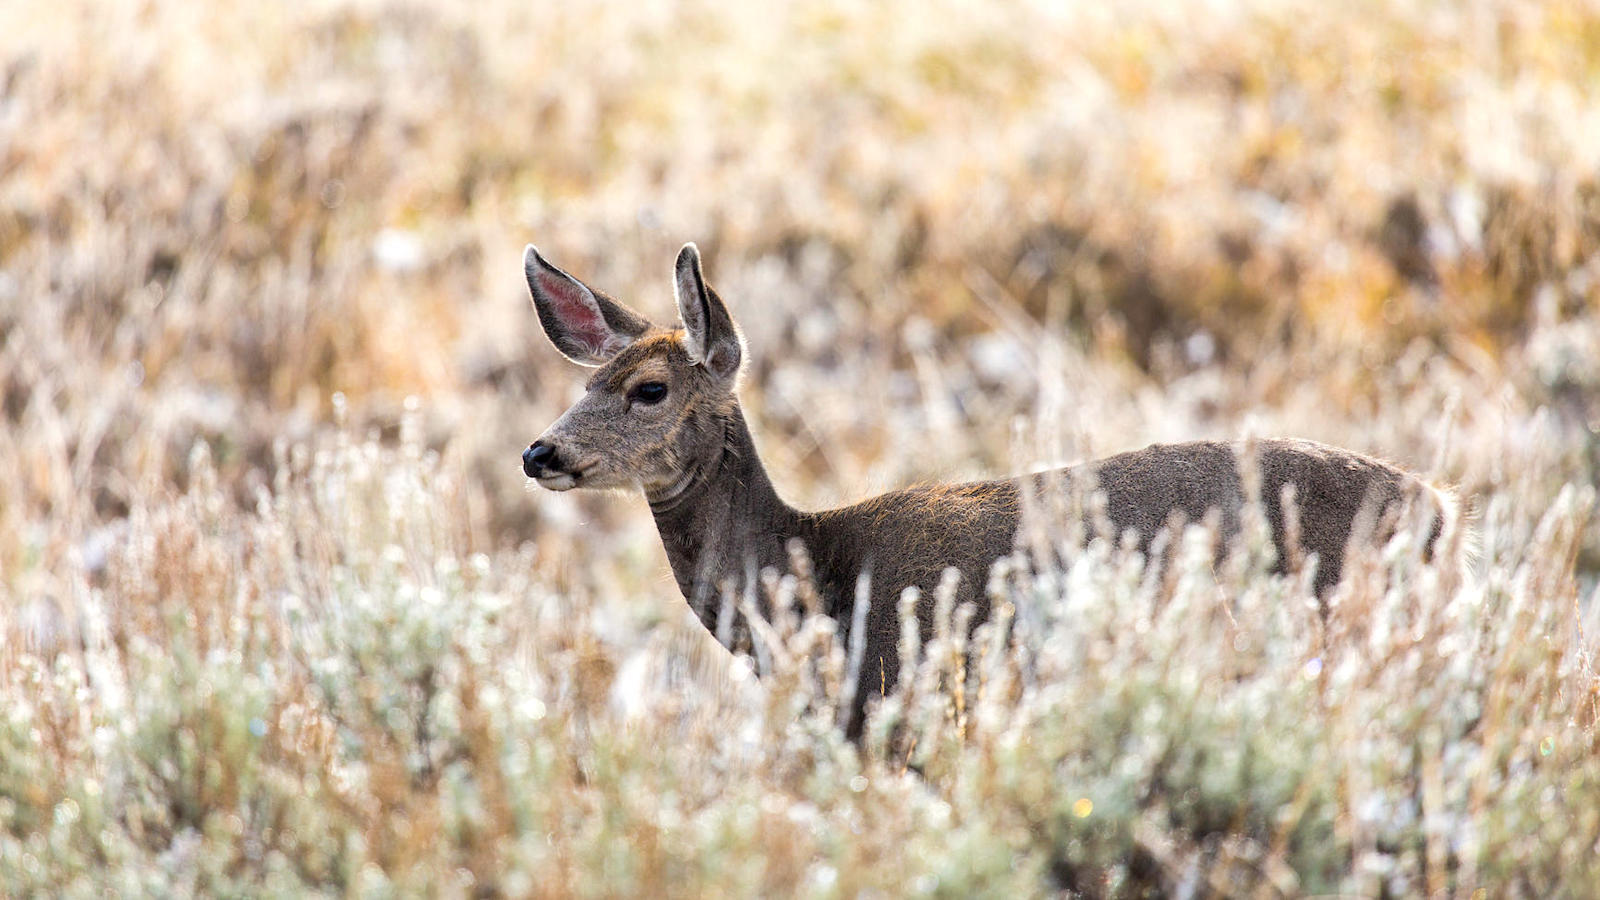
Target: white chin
x,y
558,482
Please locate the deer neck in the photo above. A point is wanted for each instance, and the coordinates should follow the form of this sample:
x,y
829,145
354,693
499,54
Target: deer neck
x,y
723,522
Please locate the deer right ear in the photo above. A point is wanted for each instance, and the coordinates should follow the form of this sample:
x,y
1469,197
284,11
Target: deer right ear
x,y
710,336
587,327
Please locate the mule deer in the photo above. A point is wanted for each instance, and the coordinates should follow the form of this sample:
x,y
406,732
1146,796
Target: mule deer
x,y
661,413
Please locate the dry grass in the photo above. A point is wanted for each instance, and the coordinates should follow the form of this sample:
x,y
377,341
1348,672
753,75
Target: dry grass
x,y
271,627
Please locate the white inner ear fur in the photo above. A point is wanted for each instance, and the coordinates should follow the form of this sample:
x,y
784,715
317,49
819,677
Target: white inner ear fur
x,y
723,354
691,311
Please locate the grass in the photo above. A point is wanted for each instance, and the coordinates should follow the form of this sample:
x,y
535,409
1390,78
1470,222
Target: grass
x,y
279,616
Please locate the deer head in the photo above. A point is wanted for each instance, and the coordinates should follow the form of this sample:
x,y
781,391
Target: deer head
x,y
654,413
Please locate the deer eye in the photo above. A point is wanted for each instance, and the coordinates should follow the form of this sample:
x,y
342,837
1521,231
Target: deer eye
x,y
649,393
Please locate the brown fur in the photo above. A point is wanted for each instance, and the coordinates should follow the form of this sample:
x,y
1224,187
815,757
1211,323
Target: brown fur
x,y
720,518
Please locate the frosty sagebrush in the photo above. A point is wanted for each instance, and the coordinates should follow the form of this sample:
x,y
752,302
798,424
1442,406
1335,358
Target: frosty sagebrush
x,y
412,717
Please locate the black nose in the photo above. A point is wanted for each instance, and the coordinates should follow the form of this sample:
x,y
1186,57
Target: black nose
x,y
538,457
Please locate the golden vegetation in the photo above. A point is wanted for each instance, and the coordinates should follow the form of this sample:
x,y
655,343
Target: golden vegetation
x,y
269,626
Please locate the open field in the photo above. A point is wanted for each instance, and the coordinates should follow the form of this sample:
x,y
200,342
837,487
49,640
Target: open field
x,y
280,616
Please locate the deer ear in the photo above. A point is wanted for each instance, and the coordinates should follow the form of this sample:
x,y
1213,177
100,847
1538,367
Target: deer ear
x,y
710,336
587,327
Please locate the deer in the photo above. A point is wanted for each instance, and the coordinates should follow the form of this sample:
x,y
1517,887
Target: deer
x,y
661,414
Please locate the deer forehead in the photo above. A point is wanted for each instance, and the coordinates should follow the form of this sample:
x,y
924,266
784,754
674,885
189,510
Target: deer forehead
x,y
652,357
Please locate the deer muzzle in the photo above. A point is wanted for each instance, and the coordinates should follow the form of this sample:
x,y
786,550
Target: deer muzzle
x,y
537,458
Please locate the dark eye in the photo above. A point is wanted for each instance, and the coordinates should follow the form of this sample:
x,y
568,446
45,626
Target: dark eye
x,y
649,393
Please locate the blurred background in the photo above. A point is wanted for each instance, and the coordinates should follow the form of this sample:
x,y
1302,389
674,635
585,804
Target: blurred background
x,y
267,364
1115,225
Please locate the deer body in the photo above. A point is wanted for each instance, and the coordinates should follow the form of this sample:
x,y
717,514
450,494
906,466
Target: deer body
x,y
661,413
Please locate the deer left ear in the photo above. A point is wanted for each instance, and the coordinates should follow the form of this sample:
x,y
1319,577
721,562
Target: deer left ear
x,y
711,337
586,326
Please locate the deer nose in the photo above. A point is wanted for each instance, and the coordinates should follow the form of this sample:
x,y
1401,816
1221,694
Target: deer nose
x,y
538,457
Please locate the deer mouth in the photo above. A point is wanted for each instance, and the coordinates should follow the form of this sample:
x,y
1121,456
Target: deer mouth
x,y
552,480
558,481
